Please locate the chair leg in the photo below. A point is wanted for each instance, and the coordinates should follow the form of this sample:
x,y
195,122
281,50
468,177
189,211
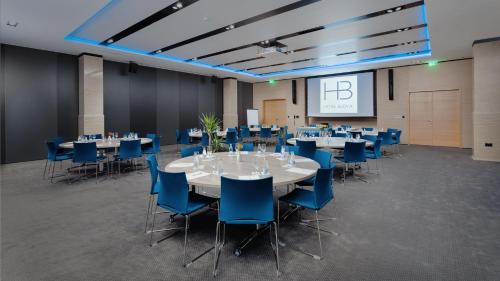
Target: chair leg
x,y
276,250
147,214
185,239
96,171
53,168
319,236
45,169
216,248
153,227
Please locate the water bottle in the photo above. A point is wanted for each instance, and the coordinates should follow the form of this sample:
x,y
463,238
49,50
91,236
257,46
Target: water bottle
x,y
204,152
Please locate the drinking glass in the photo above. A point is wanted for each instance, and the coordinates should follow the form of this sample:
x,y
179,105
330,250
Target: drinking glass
x,y
263,146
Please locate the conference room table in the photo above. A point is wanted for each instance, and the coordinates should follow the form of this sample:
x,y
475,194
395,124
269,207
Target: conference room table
x,y
257,129
198,134
243,168
329,142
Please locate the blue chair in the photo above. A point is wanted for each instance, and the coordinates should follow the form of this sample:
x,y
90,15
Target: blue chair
x,y
95,136
289,136
368,129
386,138
54,155
244,133
175,197
354,152
245,202
375,153
340,135
184,137
85,153
247,147
177,138
155,185
231,129
231,138
316,199
371,138
306,148
129,150
396,139
189,151
205,141
265,135
154,146
345,126
312,125
324,158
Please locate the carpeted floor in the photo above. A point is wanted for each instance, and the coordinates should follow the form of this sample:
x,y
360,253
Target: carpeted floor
x,y
433,214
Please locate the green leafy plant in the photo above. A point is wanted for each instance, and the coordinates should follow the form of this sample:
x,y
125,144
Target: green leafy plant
x,y
210,124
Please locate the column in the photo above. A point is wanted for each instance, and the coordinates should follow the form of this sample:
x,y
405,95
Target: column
x,y
230,115
91,97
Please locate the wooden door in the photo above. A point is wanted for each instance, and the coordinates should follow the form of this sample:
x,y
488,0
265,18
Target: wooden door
x,y
275,112
446,118
421,118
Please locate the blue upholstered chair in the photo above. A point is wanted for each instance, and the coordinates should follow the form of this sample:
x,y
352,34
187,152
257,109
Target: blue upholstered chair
x,y
205,141
189,151
315,200
231,129
130,150
340,135
386,138
289,136
396,139
155,185
247,147
306,148
371,138
354,152
345,126
85,153
324,158
265,135
231,138
368,129
54,154
375,153
154,146
175,197
244,133
245,202
184,137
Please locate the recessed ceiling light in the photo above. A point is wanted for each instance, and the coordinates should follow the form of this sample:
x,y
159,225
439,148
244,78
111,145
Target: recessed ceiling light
x,y
158,51
194,59
174,7
399,30
230,27
110,40
390,11
406,29
398,8
12,23
179,5
291,52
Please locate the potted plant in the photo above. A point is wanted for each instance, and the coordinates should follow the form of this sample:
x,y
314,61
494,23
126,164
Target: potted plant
x,y
210,124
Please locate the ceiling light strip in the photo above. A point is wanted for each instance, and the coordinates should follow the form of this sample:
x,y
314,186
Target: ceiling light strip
x,y
318,28
161,14
280,10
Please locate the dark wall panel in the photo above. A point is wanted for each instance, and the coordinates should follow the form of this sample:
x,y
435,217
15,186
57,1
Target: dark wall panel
x,y
143,100
116,97
30,102
188,115
245,101
167,91
67,96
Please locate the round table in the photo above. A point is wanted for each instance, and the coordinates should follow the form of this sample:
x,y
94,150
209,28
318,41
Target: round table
x,y
257,129
198,134
104,143
333,142
282,173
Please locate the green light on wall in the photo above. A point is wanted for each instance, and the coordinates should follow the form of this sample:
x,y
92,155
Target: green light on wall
x,y
272,82
432,63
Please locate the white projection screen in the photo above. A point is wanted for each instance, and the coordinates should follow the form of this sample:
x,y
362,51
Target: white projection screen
x,y
341,95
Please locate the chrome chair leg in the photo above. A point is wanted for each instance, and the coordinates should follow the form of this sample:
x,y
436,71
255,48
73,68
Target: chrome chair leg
x,y
185,239
216,248
147,214
275,247
45,169
319,236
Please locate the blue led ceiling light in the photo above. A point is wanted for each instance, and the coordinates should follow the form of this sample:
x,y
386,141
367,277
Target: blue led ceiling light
x,y
77,37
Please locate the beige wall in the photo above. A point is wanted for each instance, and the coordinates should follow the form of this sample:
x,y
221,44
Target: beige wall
x,y
444,76
230,115
282,90
486,98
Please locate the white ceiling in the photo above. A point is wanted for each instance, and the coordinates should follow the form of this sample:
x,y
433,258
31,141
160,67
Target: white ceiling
x,y
453,25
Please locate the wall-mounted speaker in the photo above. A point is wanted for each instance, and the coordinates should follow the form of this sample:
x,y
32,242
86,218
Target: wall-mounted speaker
x,y
391,84
294,91
133,67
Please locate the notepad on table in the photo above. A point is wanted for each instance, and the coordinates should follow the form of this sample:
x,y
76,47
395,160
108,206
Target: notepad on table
x,y
302,160
195,175
181,165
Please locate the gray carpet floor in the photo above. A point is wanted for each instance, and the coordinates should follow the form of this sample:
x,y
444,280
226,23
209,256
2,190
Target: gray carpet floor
x,y
433,214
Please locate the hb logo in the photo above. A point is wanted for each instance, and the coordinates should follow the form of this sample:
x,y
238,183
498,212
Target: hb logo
x,y
343,90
